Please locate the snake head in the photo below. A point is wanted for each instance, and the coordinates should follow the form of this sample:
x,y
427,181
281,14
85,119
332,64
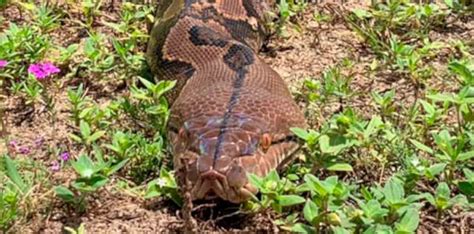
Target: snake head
x,y
218,160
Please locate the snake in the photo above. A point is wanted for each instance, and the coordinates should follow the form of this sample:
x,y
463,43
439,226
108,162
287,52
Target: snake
x,y
230,113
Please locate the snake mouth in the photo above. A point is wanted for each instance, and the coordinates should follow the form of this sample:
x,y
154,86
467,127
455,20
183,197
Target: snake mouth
x,y
226,176
228,182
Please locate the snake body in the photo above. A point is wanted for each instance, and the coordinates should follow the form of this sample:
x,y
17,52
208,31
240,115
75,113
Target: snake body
x,y
231,113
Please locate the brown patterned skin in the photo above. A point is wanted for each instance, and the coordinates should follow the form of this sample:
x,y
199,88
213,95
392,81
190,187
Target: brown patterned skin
x,y
230,112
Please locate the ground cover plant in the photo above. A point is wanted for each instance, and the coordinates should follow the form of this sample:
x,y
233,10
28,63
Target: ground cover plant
x,y
388,90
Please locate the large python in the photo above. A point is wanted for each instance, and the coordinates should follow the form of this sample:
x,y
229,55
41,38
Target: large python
x,y
231,113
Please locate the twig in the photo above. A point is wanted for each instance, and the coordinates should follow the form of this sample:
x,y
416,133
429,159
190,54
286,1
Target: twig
x,y
210,205
190,224
3,124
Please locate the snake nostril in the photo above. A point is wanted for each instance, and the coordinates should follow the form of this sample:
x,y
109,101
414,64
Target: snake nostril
x,y
236,176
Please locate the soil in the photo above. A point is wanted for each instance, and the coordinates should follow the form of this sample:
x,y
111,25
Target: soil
x,y
304,54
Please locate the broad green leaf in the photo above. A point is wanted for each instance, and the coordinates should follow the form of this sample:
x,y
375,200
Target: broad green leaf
x,y
95,136
449,3
443,97
310,211
256,181
409,222
443,190
117,166
462,71
340,167
315,185
421,146
466,188
301,133
361,14
14,175
466,156
436,169
290,200
340,230
85,129
303,228
84,166
75,137
469,174
393,191
64,193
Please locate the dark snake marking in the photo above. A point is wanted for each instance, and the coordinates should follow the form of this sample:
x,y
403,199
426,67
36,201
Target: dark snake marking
x,y
238,57
201,36
178,67
249,9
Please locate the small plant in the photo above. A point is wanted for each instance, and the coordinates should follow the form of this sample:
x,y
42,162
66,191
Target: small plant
x,y
87,136
273,191
442,199
327,197
92,176
467,186
165,185
78,102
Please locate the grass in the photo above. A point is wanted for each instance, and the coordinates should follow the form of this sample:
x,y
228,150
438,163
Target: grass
x,y
96,124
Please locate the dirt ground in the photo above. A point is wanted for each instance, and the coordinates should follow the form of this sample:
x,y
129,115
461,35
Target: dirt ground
x,y
304,54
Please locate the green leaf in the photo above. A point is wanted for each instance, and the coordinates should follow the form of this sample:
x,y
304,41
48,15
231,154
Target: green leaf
x,y
303,228
301,133
256,181
462,71
117,167
449,3
14,175
95,136
409,222
75,138
469,174
443,97
84,166
361,13
436,169
427,107
340,230
64,193
421,146
290,200
147,83
340,167
466,156
393,191
466,188
316,185
443,190
85,129
310,211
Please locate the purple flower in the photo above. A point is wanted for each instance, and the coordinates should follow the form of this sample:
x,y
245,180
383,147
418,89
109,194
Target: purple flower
x,y
65,156
3,63
43,70
39,142
24,150
13,144
55,166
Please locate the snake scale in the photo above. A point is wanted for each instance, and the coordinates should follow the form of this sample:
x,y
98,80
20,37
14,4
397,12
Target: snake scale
x,y
231,113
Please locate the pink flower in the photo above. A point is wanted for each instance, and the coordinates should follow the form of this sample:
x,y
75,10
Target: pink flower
x,y
55,166
3,63
39,142
43,70
24,150
65,156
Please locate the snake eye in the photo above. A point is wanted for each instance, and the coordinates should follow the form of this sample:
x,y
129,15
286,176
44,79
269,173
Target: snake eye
x,y
265,141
